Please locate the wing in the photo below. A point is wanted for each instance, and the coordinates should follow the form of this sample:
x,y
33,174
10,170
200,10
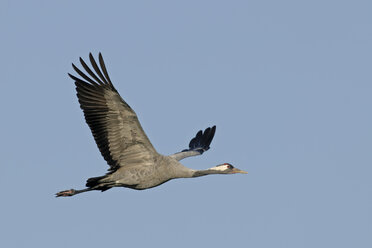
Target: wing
x,y
199,144
114,125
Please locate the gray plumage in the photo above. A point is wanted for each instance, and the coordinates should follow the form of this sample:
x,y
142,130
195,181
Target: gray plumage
x,y
134,162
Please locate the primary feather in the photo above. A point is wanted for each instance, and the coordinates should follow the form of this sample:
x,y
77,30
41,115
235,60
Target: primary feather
x,y
114,125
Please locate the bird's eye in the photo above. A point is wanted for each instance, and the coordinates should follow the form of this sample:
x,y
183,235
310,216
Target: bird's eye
x,y
228,166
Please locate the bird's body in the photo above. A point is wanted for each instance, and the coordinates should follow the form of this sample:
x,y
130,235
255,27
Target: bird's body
x,y
134,162
150,175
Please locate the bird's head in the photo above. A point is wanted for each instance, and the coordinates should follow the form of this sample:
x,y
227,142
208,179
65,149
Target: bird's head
x,y
227,168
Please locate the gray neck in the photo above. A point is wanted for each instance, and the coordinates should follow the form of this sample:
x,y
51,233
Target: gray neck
x,y
200,173
177,170
184,172
180,171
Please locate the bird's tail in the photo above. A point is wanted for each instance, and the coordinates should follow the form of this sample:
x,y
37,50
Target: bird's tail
x,y
94,181
98,184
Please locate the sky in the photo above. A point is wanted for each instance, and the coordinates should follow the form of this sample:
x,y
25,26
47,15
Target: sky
x,y
288,84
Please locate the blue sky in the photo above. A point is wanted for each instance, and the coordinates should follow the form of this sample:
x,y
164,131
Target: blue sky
x,y
288,84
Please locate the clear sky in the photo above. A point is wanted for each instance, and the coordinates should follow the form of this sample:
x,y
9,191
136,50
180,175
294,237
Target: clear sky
x,y
288,84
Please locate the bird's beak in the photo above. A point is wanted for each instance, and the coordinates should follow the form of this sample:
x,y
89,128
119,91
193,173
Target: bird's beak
x,y
239,171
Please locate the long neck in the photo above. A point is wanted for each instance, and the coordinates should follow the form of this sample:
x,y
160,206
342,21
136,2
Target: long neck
x,y
177,170
200,173
184,172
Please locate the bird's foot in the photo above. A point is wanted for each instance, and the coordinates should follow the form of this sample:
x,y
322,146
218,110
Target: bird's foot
x,y
69,192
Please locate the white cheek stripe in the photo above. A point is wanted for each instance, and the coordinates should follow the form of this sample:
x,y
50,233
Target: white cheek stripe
x,y
221,168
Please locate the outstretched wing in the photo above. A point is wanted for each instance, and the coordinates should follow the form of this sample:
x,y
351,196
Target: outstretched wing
x,y
199,144
114,125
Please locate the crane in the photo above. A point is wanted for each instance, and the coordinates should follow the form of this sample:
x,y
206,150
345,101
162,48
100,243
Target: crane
x,y
134,162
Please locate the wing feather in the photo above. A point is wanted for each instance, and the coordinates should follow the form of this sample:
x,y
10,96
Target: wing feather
x,y
94,64
198,145
90,72
103,66
114,125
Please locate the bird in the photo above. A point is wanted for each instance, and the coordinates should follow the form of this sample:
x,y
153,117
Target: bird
x,y
133,161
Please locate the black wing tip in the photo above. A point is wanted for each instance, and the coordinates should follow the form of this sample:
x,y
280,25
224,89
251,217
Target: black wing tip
x,y
210,130
76,79
202,140
74,66
91,77
91,58
81,60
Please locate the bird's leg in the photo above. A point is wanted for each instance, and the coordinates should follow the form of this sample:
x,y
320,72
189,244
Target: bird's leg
x,y
71,192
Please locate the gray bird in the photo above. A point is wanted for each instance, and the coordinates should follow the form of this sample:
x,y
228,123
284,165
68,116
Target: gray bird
x,y
134,162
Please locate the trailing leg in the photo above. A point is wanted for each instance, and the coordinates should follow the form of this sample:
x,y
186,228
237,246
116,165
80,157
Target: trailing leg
x,y
72,192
